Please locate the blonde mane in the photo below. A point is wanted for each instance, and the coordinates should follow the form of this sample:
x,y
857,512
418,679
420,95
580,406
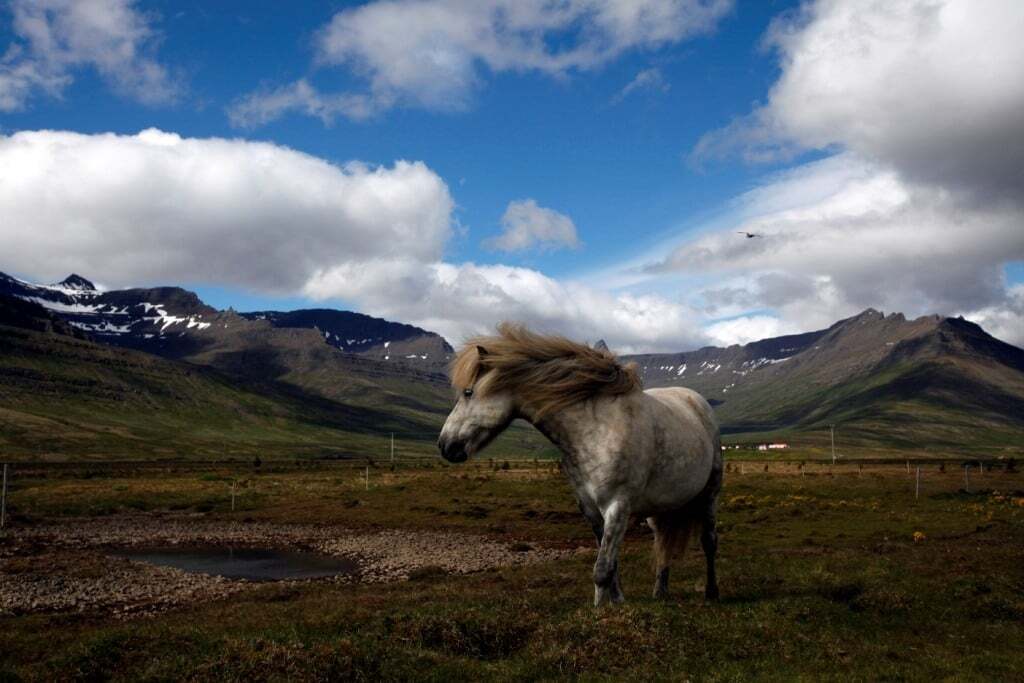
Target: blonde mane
x,y
547,373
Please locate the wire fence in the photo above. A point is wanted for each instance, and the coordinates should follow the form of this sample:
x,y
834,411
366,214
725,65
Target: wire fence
x,y
919,479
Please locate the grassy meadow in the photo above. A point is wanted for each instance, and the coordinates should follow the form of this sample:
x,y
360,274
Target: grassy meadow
x,y
825,573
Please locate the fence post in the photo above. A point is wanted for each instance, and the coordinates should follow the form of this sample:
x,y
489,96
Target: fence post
x,y
917,486
367,477
3,500
967,478
232,495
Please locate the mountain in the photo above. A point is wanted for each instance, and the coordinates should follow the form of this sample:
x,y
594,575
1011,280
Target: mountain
x,y
931,382
144,319
393,371
364,335
145,361
174,322
62,394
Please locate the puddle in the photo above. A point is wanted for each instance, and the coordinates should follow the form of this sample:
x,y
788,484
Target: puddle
x,y
253,564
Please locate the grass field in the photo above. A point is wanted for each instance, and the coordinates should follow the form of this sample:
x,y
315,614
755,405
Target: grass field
x,y
826,573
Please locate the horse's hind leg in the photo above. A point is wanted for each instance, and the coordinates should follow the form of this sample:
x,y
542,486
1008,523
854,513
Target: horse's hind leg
x,y
709,541
671,535
661,559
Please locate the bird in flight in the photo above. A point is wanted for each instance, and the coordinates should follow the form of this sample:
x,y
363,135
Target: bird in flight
x,y
750,235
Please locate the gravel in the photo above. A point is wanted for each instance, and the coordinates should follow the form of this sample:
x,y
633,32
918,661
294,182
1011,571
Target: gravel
x,y
63,566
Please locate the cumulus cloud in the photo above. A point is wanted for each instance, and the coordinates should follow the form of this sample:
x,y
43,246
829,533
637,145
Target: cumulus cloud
x,y
436,53
527,225
746,329
921,206
157,208
54,38
650,80
931,88
842,235
460,300
134,208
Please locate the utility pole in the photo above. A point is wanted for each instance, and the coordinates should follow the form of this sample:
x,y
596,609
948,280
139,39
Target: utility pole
x,y
832,430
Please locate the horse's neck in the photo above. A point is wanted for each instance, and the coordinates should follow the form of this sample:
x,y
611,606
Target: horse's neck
x,y
572,429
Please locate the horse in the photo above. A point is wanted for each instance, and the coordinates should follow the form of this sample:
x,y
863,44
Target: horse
x,y
626,452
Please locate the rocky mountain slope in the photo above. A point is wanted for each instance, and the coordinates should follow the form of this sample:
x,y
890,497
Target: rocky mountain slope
x,y
174,322
365,336
338,355
922,382
928,382
64,395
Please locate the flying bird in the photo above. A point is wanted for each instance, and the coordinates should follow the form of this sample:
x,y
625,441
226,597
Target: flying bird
x,y
750,235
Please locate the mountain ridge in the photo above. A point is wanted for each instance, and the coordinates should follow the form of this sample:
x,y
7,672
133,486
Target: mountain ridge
x,y
932,379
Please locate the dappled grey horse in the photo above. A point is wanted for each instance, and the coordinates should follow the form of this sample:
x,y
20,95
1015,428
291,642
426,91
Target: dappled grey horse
x,y
626,451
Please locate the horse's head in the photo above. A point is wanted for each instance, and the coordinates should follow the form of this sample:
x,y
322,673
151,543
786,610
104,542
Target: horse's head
x,y
477,418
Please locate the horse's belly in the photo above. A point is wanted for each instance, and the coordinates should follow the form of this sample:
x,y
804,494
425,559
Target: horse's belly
x,y
676,479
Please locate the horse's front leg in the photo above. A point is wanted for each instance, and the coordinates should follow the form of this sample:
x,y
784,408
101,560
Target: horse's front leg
x,y
596,519
606,569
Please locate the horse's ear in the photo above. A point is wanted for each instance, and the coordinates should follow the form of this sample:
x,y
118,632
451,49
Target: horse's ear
x,y
481,350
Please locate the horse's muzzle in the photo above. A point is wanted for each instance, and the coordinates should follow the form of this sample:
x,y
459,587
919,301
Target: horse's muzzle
x,y
452,451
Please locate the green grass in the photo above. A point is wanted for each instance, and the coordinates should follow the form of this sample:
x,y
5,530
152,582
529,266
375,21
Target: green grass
x,y
67,399
820,574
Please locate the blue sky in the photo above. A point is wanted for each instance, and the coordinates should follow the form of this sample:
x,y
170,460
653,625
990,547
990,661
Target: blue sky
x,y
584,170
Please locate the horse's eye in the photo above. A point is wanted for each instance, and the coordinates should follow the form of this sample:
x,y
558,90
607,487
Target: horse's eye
x,y
467,392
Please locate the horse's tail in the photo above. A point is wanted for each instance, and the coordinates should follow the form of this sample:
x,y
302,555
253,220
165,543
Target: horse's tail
x,y
673,532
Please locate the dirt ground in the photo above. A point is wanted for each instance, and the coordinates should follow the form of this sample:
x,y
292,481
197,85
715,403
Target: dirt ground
x,y
66,565
842,572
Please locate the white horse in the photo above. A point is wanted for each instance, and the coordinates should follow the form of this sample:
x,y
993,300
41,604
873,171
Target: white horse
x,y
626,451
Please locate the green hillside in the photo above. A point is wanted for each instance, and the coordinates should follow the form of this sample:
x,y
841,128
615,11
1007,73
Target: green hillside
x,y
65,397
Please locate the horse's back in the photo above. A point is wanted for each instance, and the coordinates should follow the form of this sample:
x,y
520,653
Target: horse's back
x,y
689,405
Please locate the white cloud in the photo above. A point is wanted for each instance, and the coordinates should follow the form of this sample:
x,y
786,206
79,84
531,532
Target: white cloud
x,y
437,53
156,208
460,300
263,106
931,88
922,205
527,225
746,329
1004,320
54,38
860,237
647,79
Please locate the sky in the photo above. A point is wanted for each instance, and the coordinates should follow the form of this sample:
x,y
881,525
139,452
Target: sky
x,y
587,167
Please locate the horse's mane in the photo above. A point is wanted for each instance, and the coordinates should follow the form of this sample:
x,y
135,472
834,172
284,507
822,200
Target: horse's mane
x,y
547,373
